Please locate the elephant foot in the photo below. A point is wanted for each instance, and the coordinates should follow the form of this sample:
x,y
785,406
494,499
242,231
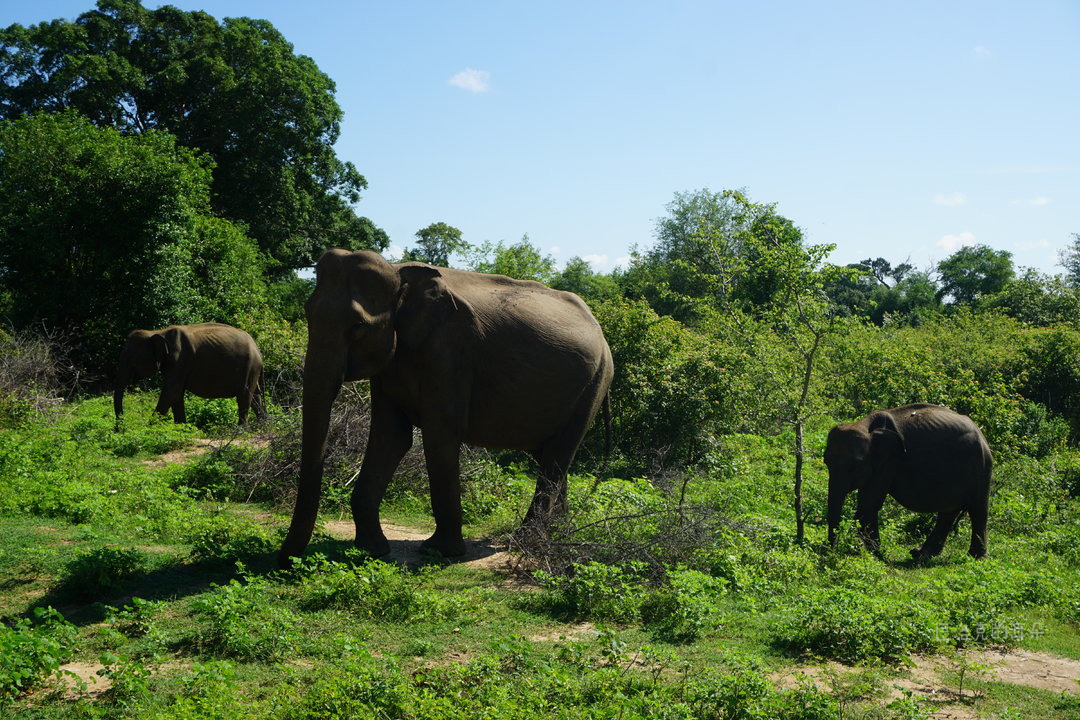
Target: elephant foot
x,y
977,553
444,544
375,546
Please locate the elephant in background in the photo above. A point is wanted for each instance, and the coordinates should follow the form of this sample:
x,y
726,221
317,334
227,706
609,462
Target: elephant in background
x,y
927,457
209,359
464,356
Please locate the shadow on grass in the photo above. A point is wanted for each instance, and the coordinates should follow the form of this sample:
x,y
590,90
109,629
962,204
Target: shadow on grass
x,y
83,606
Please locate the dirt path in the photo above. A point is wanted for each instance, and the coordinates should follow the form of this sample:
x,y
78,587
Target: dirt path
x,y
930,678
405,546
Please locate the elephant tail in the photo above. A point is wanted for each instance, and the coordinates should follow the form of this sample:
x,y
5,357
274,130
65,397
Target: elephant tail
x,y
607,433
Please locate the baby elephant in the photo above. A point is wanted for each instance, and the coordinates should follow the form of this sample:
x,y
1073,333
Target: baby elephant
x,y
929,458
209,359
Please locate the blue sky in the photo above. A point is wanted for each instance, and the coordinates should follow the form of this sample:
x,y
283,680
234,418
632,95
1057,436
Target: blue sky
x,y
901,130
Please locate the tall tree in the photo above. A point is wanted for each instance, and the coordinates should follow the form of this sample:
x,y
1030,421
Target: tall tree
x,y
436,243
234,89
701,238
101,233
521,260
972,272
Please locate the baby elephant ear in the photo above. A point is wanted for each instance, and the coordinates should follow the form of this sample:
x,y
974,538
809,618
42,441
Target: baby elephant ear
x,y
424,303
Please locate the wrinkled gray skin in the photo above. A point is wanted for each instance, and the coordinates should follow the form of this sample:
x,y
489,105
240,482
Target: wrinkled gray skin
x,y
465,357
210,360
927,457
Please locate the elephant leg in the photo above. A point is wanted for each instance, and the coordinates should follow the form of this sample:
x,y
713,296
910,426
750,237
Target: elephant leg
x,y
935,541
554,458
243,402
979,511
178,412
442,452
389,438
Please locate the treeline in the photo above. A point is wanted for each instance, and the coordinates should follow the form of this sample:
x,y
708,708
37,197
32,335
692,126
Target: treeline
x,y
160,167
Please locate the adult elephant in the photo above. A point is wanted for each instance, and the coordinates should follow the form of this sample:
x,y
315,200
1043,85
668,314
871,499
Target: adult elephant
x,y
927,457
465,357
210,360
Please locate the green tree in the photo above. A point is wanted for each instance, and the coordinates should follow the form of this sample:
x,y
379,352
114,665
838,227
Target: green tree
x,y
522,260
1037,299
101,233
234,89
436,243
1069,258
704,235
972,272
578,277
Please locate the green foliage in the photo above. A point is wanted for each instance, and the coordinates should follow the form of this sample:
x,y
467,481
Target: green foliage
x,y
597,591
684,608
106,232
234,90
31,651
374,589
578,277
521,260
856,627
973,272
103,570
228,538
245,622
670,390
436,243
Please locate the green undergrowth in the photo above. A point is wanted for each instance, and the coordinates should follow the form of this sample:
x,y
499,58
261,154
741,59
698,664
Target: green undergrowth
x,y
681,598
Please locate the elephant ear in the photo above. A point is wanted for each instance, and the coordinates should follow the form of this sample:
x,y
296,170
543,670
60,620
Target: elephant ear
x,y
166,346
161,347
424,303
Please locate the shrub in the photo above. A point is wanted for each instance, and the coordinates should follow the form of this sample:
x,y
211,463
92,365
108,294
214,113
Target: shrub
x,y
103,570
374,588
596,591
849,626
33,651
228,538
245,622
685,608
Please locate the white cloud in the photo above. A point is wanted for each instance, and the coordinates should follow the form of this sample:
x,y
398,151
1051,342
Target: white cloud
x,y
956,198
596,260
952,243
1028,245
555,250
982,51
1033,202
475,81
624,261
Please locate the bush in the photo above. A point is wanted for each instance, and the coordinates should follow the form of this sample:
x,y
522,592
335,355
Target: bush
x,y
228,538
103,570
245,622
685,608
33,651
596,591
853,627
377,589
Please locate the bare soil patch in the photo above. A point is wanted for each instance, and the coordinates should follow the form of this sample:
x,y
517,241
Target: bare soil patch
x,y
931,679
201,446
86,673
405,546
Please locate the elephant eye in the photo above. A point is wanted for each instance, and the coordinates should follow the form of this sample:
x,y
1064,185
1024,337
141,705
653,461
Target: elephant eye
x,y
355,330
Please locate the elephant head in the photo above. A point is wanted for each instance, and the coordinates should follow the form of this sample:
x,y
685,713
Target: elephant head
x,y
858,454
142,356
362,310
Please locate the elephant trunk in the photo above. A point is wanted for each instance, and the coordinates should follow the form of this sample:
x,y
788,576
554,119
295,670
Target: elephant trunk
x,y
836,507
321,386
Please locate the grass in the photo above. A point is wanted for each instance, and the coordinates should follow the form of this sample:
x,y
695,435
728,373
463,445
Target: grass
x,y
171,591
